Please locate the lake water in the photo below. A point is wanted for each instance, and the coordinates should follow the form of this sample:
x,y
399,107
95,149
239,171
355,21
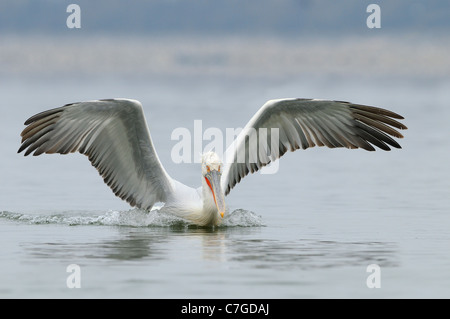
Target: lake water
x,y
309,231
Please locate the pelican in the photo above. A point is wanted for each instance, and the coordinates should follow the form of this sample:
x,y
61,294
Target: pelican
x,y
114,135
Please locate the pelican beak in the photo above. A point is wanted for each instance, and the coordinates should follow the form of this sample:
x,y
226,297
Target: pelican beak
x,y
213,181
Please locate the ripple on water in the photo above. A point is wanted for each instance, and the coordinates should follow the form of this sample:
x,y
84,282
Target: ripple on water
x,y
132,218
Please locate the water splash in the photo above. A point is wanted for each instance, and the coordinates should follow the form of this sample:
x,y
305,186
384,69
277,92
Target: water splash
x,y
243,218
132,218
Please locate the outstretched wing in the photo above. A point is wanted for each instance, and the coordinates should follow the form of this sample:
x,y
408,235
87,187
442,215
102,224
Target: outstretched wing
x,y
304,123
113,134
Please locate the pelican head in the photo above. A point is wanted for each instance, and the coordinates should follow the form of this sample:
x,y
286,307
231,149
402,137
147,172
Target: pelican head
x,y
211,171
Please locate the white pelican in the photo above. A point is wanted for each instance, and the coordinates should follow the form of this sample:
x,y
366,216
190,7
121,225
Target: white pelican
x,y
114,135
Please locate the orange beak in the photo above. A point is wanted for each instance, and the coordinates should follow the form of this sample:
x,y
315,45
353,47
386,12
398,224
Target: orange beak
x,y
213,181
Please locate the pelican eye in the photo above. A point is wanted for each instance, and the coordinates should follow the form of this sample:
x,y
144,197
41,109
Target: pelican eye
x,y
207,168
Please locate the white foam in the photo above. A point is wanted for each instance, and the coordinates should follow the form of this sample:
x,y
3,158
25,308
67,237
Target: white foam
x,y
132,218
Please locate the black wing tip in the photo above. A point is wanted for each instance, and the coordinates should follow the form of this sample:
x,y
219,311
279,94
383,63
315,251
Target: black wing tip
x,y
376,110
44,114
24,147
20,150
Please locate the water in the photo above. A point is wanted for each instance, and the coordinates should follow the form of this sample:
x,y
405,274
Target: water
x,y
309,231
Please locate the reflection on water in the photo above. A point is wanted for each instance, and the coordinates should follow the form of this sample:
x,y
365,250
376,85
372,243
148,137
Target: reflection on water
x,y
306,254
219,245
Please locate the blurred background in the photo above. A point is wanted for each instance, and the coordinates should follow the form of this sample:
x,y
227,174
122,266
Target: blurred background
x,y
266,38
